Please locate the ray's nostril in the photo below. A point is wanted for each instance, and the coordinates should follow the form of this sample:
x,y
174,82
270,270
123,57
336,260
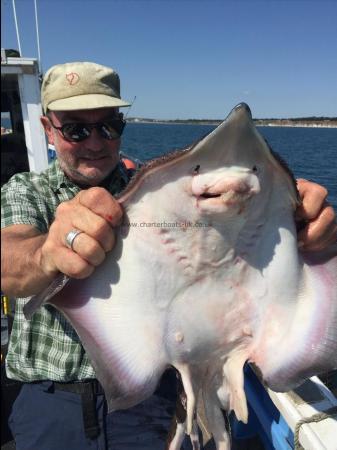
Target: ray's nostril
x,y
196,169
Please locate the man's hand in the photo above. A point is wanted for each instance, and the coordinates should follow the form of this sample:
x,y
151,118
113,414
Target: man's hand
x,y
94,212
320,229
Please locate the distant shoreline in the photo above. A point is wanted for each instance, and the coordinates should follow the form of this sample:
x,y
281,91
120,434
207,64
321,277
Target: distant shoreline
x,y
299,123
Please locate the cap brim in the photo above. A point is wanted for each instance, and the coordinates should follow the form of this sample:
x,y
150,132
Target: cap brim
x,y
88,101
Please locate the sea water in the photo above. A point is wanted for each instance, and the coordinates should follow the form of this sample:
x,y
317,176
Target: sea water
x,y
311,153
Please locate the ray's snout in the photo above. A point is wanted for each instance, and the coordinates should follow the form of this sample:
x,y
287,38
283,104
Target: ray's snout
x,y
243,107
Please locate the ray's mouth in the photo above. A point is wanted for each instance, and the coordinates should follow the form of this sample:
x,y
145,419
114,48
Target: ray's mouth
x,y
227,199
210,195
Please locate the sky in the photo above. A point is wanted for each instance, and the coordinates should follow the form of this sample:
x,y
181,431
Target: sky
x,y
193,58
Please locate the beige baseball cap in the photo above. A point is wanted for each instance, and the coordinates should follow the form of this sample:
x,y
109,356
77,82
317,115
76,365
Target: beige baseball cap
x,y
80,85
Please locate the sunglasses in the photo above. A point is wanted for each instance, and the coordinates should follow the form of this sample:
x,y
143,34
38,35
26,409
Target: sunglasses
x,y
77,132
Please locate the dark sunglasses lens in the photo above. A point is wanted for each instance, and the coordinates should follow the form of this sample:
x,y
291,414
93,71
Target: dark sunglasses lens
x,y
75,132
112,129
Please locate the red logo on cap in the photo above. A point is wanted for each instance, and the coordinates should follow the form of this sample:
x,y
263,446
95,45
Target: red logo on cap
x,y
73,78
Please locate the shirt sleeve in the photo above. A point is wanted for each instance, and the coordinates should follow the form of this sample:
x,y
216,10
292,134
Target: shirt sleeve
x,y
23,204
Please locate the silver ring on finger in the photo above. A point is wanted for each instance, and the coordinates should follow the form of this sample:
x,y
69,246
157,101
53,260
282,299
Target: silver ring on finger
x,y
70,238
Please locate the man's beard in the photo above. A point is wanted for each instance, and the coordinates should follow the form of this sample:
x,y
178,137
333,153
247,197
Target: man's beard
x,y
90,179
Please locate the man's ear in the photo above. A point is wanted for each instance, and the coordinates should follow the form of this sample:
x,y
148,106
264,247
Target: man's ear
x,y
48,129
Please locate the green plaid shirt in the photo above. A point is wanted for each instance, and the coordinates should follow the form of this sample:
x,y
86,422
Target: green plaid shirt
x,y
45,347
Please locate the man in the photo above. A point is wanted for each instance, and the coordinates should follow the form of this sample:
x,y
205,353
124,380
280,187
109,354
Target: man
x,y
63,221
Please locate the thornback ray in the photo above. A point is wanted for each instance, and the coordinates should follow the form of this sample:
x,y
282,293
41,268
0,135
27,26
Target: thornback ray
x,y
205,276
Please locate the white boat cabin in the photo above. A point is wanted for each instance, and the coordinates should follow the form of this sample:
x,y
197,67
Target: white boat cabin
x,y
23,142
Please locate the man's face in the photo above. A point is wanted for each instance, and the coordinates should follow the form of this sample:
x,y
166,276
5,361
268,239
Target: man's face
x,y
90,161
